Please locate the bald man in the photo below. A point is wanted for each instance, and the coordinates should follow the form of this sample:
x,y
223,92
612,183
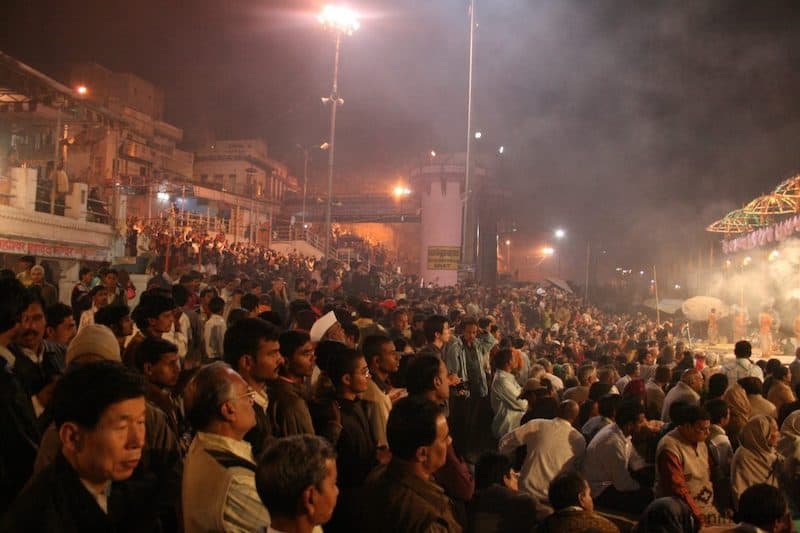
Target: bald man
x,y
686,390
554,447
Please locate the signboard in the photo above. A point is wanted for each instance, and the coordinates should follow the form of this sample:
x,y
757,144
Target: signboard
x,y
13,246
444,257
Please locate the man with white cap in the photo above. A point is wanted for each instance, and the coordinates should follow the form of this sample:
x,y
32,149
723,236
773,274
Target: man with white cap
x,y
327,327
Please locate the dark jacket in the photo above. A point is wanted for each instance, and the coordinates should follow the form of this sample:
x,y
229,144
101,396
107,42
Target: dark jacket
x,y
262,434
19,435
500,509
35,376
395,500
56,500
288,408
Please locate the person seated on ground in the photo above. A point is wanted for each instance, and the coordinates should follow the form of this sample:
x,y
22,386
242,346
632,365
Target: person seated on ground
x,y
99,410
740,412
762,507
587,375
607,465
498,506
717,385
219,489
403,496
296,481
682,465
789,448
606,411
780,391
758,404
756,460
666,515
571,498
554,447
686,390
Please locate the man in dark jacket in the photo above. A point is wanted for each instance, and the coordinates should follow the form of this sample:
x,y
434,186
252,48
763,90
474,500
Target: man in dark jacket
x,y
38,362
498,505
19,431
288,394
87,488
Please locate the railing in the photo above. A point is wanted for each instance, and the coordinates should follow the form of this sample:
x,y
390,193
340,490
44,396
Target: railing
x,y
296,232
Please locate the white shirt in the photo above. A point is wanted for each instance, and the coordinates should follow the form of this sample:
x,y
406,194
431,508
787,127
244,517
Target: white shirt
x,y
606,461
554,447
681,392
504,398
87,317
741,368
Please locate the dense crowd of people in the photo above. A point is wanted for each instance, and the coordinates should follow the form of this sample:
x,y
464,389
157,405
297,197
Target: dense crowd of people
x,y
257,391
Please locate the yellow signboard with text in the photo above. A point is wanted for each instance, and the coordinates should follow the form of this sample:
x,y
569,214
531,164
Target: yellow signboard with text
x,y
443,257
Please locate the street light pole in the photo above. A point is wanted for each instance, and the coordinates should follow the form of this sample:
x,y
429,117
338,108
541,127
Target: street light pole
x,y
334,103
466,255
305,181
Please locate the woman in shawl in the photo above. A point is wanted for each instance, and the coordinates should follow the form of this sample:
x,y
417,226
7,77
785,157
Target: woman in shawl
x,y
789,448
756,460
780,392
739,408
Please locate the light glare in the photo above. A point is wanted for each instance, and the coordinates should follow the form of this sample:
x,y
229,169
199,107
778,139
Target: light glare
x,y
339,18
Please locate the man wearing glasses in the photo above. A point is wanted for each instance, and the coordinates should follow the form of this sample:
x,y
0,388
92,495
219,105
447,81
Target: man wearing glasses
x,y
219,490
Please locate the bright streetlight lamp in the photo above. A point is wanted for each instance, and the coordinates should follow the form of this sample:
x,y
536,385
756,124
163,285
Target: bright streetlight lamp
x,y
560,233
548,251
400,191
343,21
82,90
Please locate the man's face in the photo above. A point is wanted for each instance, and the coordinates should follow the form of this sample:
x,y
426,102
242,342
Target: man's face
x,y
400,321
388,360
774,434
125,327
441,384
100,298
207,298
240,411
37,276
445,333
162,323
87,277
112,450
63,333
266,361
359,379
695,381
325,496
585,498
336,333
302,361
33,325
470,333
164,373
437,451
110,281
697,432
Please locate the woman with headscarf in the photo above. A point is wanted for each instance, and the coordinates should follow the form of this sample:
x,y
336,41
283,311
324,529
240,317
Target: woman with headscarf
x,y
780,392
756,460
739,408
711,366
789,448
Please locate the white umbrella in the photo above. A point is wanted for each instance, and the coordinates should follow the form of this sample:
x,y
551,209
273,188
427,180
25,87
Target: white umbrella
x,y
699,307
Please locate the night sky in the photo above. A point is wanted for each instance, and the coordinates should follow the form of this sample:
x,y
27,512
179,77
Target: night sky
x,y
632,124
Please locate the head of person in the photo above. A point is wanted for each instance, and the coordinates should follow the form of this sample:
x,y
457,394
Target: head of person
x,y
417,433
607,405
663,374
400,319
495,468
718,411
158,360
352,334
33,322
110,278
117,317
216,305
37,274
349,373
693,378
252,348
99,296
743,349
760,434
217,400
327,327
297,352
503,360
632,369
694,423
781,374
751,385
296,479
568,410
570,490
99,412
85,274
426,375
630,416
60,322
249,302
470,329
587,375
25,263
93,342
154,314
380,354
764,506
437,329
717,384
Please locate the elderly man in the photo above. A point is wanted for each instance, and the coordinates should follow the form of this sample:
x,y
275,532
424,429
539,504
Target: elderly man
x,y
686,390
219,488
554,447
99,410
587,375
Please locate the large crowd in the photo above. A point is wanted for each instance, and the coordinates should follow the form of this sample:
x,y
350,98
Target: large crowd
x,y
249,390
